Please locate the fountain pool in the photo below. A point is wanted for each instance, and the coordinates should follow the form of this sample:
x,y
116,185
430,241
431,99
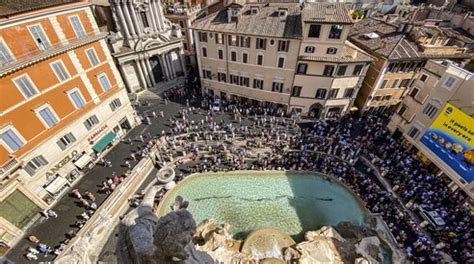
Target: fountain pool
x,y
248,200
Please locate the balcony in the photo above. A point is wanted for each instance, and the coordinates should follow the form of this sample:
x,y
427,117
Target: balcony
x,y
36,55
180,9
9,167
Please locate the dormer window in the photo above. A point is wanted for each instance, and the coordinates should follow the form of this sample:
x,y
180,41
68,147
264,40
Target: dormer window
x,y
233,14
282,12
254,10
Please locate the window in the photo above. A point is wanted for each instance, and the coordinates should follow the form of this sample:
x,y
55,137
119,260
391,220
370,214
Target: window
x,y
335,32
296,92
277,87
104,82
384,84
309,49
35,164
220,54
258,84
244,81
66,140
26,87
414,92
115,104
386,97
77,26
204,51
283,45
430,110
245,42
254,10
260,59
5,55
206,74
377,98
233,56
321,93
48,117
221,77
413,133
394,84
203,36
92,56
331,51
390,67
358,69
348,93
39,36
60,70
333,93
219,38
281,62
449,82
341,71
405,82
423,77
245,57
12,140
76,98
314,31
233,40
302,68
261,43
328,70
144,18
402,110
234,79
91,122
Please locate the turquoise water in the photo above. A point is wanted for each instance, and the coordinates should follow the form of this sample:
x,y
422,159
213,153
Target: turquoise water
x,y
294,203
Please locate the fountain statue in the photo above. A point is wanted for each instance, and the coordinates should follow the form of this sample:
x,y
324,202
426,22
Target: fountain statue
x,y
145,238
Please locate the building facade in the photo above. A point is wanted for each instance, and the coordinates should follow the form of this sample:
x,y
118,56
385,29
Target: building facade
x,y
284,55
437,84
63,103
400,50
147,47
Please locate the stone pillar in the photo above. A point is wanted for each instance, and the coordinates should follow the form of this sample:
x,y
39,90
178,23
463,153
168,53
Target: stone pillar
x,y
145,72
118,7
154,14
152,18
133,16
181,60
159,14
140,73
128,21
170,63
150,70
164,67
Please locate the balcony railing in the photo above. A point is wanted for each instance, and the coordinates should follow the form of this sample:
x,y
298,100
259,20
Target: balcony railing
x,y
9,166
35,54
175,9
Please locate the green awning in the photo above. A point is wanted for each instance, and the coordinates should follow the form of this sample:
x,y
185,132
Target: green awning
x,y
103,142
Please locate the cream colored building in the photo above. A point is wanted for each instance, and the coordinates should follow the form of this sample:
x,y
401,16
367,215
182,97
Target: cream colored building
x,y
290,56
439,82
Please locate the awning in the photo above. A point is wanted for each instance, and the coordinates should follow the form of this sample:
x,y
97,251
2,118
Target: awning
x,y
56,185
104,141
83,161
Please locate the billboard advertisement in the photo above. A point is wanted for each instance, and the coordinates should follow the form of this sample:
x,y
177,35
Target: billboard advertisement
x,y
451,138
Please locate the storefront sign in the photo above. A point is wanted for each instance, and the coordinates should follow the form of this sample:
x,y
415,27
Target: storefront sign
x,y
61,164
451,138
96,133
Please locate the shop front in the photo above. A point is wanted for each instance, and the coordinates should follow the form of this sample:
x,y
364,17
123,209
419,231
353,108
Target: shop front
x,y
18,209
57,186
104,142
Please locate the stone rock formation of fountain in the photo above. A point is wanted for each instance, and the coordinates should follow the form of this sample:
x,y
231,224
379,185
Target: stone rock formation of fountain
x,y
166,176
175,238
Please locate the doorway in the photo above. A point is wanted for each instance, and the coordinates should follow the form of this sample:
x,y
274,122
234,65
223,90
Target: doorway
x,y
156,68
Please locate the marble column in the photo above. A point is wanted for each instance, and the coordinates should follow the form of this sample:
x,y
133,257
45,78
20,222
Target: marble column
x,y
150,70
128,21
145,72
181,60
154,15
152,18
164,68
118,7
140,73
133,15
159,14
170,63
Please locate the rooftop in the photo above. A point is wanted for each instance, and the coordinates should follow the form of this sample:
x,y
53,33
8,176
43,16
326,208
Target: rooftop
x,y
13,7
268,22
350,53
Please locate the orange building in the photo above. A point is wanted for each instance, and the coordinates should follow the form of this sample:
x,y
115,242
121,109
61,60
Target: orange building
x,y
62,104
